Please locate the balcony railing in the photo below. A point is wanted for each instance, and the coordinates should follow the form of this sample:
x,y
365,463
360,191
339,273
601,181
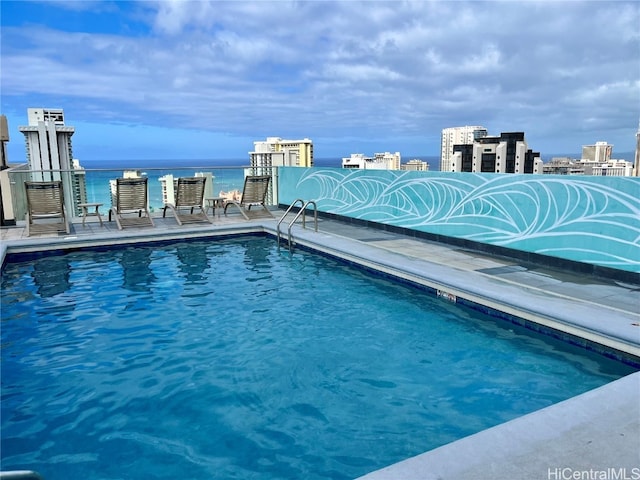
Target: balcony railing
x,y
95,185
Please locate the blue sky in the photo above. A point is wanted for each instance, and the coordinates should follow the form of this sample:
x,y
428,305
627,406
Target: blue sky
x,y
204,80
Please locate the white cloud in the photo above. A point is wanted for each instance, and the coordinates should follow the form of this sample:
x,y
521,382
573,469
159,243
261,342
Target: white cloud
x,y
325,69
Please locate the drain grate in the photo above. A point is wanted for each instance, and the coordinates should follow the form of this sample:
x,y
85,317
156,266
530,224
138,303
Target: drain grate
x,y
502,270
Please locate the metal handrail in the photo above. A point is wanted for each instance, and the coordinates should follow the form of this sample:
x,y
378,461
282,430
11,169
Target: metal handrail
x,y
301,212
285,214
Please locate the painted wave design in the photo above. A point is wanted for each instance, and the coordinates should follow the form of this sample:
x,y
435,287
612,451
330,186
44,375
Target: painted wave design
x,y
577,219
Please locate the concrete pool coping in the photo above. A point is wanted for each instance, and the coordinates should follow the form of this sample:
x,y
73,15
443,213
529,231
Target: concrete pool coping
x,y
599,429
593,435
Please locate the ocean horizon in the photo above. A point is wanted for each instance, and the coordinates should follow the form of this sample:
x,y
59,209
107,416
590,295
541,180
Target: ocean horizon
x,y
433,160
434,163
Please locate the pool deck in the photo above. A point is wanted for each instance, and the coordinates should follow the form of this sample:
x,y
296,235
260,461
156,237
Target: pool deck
x,y
593,435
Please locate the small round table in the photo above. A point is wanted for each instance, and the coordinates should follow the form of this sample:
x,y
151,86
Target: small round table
x,y
86,213
213,203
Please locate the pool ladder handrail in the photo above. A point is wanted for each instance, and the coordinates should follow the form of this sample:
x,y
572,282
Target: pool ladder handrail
x,y
285,214
302,211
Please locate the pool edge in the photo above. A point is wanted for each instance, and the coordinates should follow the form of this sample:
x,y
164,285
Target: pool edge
x,y
585,433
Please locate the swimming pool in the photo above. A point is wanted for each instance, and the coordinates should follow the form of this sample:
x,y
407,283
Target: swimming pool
x,y
230,359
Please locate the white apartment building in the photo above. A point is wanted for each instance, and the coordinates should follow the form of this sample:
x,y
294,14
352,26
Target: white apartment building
x,y
393,160
356,160
589,166
277,152
636,162
416,165
49,152
596,160
612,168
600,152
457,136
4,138
6,201
79,183
380,161
48,142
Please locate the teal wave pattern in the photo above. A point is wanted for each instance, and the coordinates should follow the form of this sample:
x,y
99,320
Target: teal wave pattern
x,y
587,219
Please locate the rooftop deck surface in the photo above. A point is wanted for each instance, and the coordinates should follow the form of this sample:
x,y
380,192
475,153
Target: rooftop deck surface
x,y
596,431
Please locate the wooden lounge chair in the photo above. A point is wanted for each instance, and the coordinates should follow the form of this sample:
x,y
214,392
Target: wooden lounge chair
x,y
45,204
131,208
254,193
189,198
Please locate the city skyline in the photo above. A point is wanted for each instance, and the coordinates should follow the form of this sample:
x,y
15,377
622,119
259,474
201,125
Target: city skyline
x,y
198,79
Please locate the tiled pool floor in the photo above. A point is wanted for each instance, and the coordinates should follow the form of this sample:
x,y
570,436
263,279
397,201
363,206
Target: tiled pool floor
x,y
597,430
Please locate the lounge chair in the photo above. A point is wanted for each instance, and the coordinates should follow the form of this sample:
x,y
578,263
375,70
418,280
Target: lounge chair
x,y
254,193
45,204
189,197
131,203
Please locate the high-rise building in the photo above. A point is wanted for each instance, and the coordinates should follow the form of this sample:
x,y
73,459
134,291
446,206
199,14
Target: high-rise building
x,y
49,153
380,161
563,166
392,159
610,168
4,138
276,152
636,163
78,178
568,166
5,185
48,143
600,152
457,136
507,153
416,165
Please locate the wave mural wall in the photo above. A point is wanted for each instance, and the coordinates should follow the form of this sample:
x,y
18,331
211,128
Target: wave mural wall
x,y
581,218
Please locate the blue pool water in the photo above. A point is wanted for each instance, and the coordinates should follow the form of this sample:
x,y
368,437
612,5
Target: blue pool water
x,y
230,359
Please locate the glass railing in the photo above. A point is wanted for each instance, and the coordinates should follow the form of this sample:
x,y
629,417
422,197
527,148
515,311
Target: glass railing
x,y
95,185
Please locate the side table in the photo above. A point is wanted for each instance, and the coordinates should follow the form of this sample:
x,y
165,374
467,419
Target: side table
x,y
86,213
213,203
